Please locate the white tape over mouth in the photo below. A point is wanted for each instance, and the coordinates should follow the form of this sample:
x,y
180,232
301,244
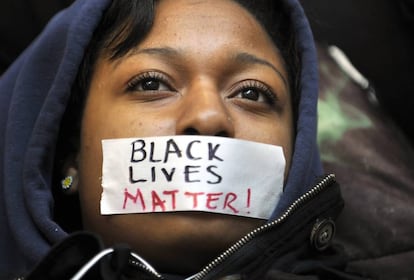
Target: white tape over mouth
x,y
191,173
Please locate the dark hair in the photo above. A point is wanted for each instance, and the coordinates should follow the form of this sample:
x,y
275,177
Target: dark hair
x,y
125,24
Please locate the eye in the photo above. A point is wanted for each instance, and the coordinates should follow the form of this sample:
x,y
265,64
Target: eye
x,y
255,91
149,81
251,94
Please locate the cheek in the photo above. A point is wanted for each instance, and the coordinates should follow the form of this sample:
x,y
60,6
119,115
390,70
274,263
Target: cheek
x,y
127,120
114,122
270,131
277,131
90,186
283,135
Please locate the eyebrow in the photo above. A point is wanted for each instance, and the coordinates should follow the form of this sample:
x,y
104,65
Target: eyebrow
x,y
164,51
252,59
242,57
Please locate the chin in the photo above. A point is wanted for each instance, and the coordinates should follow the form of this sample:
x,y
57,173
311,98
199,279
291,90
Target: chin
x,y
179,242
196,238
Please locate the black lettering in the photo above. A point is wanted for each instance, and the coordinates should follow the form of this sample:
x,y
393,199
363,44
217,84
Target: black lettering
x,y
189,154
153,177
171,148
131,177
188,171
218,177
212,152
137,150
152,153
167,175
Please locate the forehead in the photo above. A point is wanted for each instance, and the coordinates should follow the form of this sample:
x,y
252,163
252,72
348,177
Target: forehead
x,y
204,10
205,22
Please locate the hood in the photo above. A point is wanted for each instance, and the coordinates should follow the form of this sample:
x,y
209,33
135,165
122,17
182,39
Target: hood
x,y
33,97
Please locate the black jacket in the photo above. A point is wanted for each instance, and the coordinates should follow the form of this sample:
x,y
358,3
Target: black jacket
x,y
298,245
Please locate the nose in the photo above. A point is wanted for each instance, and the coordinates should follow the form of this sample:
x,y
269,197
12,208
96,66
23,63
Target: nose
x,y
203,112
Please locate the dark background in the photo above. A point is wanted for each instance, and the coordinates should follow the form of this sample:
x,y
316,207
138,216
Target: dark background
x,y
378,38
20,22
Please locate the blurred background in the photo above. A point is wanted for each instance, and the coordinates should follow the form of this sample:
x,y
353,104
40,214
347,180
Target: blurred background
x,y
378,38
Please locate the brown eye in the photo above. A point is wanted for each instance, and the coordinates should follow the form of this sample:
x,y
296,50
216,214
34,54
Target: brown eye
x,y
149,81
255,91
250,94
150,84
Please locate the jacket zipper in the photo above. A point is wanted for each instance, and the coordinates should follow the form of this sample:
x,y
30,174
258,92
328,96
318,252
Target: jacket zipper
x,y
323,184
144,266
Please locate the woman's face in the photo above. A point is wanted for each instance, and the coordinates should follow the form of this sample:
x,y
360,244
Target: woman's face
x,y
208,68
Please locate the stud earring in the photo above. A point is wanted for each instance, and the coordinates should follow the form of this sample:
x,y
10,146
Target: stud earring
x,y
67,182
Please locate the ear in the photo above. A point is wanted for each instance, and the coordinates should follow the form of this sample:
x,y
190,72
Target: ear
x,y
70,182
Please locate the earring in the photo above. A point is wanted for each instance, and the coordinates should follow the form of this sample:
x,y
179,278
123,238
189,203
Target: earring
x,y
67,182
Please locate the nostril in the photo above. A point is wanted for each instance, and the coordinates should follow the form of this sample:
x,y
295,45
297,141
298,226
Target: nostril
x,y
191,131
222,134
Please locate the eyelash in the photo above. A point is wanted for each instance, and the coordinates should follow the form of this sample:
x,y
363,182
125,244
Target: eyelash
x,y
262,89
268,94
156,76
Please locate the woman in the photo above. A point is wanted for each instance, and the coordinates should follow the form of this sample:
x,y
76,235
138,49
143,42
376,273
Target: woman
x,y
127,69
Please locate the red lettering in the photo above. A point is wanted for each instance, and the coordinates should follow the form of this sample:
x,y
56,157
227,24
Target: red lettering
x,y
127,196
230,198
195,197
157,202
212,197
173,197
249,194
